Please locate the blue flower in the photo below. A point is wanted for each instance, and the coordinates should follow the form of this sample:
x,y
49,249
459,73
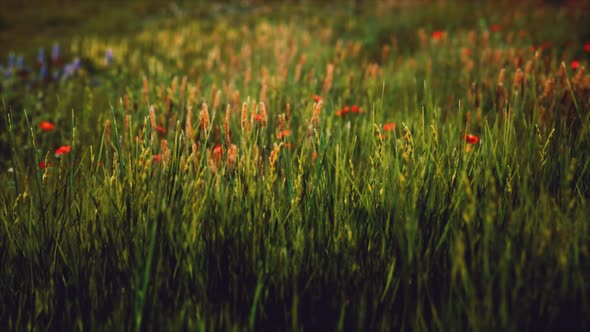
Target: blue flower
x,y
20,62
11,60
41,56
55,52
43,72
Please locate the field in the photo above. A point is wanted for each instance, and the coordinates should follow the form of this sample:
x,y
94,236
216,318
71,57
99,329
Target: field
x,y
378,165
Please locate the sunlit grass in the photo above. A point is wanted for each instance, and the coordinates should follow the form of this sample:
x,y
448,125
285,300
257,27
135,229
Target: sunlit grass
x,y
327,172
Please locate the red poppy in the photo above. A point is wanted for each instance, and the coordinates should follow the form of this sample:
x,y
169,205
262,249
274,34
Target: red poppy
x,y
156,158
575,64
545,45
355,109
284,133
316,98
437,34
389,126
471,139
160,129
587,47
495,27
339,112
46,126
258,117
43,165
63,149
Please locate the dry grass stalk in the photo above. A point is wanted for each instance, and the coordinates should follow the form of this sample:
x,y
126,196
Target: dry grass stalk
x,y
188,128
329,79
232,156
145,90
107,132
227,131
153,123
204,119
244,118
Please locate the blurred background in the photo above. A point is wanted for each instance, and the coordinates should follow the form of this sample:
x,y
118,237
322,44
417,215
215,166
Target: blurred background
x,y
25,25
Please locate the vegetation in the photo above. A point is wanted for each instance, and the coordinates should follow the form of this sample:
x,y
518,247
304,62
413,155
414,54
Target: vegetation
x,y
369,166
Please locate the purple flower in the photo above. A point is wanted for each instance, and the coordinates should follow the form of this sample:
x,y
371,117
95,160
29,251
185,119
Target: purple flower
x,y
108,57
11,60
41,56
71,68
43,72
20,62
55,52
76,63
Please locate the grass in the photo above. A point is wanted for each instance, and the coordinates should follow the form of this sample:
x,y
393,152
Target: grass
x,y
305,169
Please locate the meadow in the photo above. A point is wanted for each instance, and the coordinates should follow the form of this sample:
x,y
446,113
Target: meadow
x,y
380,165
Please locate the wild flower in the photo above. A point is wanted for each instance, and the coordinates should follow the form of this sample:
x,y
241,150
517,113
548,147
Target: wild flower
x,y
55,53
586,47
349,109
283,133
437,34
108,57
495,27
575,64
46,126
41,56
471,139
44,165
62,149
316,98
11,60
389,126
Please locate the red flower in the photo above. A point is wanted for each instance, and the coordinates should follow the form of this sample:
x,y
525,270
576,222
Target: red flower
x,y
587,47
471,139
495,27
156,158
437,34
160,129
545,45
389,126
284,133
43,165
316,98
63,149
575,64
355,109
46,126
339,112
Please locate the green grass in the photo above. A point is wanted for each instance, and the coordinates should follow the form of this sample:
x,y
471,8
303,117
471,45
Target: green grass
x,y
150,224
